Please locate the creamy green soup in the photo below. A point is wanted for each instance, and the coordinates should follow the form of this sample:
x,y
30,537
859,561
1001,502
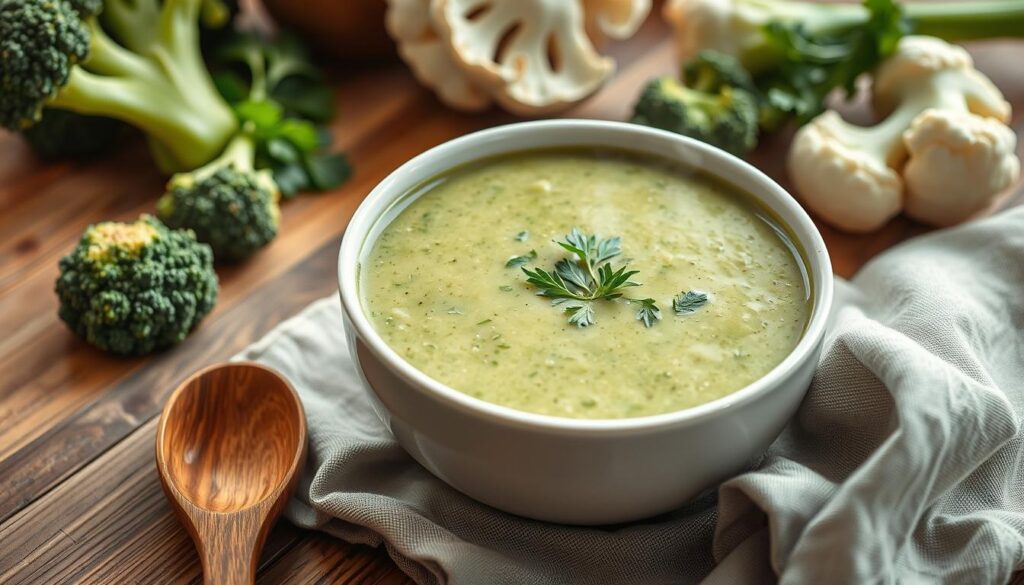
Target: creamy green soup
x,y
438,287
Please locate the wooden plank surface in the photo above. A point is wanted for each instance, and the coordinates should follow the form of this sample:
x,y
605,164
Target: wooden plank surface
x,y
79,496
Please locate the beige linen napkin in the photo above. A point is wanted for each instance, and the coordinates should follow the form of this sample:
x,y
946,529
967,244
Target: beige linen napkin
x,y
903,464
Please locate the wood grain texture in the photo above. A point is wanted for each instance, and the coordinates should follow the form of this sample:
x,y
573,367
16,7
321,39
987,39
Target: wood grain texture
x,y
80,501
230,444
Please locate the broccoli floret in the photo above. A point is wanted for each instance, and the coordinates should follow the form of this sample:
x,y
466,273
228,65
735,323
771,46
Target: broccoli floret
x,y
714,105
63,134
51,56
134,288
227,203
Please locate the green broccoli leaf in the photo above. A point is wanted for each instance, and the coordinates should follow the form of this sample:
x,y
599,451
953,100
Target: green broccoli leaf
x,y
327,171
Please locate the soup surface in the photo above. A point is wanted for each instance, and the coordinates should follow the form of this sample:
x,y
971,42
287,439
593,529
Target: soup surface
x,y
438,289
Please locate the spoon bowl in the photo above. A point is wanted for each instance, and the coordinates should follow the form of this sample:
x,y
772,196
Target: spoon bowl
x,y
229,446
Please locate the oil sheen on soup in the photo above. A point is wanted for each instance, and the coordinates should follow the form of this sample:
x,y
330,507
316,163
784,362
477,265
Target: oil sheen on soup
x,y
439,289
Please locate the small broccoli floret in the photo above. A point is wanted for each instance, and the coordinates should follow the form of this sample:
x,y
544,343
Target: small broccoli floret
x,y
134,288
63,134
714,105
53,57
227,203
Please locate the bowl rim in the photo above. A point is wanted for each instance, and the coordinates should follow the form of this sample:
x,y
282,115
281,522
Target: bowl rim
x,y
819,269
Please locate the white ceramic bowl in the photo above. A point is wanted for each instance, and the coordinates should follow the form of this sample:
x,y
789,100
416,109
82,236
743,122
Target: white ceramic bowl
x,y
570,470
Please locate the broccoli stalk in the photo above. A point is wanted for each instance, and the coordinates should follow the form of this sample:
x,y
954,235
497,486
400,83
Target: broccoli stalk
x,y
227,203
134,288
713,104
51,56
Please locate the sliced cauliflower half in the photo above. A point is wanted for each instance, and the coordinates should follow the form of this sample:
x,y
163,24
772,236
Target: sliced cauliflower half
x,y
533,56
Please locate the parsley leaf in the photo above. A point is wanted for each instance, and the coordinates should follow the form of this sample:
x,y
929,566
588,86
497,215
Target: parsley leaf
x,y
649,312
581,313
517,261
688,302
522,236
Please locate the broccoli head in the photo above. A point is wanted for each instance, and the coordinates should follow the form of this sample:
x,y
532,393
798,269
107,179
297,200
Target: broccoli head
x,y
63,134
53,56
227,203
134,288
714,103
40,44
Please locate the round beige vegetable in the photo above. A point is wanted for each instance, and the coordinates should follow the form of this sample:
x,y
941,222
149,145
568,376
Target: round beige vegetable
x,y
957,163
842,173
943,133
408,22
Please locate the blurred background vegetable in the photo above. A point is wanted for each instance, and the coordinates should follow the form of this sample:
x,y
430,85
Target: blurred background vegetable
x,y
798,53
52,56
531,57
941,153
715,103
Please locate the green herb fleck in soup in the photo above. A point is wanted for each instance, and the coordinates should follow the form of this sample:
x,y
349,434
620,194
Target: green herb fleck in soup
x,y
585,284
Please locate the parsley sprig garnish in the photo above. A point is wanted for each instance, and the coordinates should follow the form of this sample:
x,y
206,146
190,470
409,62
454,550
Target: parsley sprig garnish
x,y
588,276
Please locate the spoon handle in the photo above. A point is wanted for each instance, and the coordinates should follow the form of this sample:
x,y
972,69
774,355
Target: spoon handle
x,y
229,546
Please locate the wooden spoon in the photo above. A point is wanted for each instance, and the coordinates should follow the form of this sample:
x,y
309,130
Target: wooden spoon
x,y
230,444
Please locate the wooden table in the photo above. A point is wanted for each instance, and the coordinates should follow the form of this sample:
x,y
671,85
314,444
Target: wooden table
x,y
79,495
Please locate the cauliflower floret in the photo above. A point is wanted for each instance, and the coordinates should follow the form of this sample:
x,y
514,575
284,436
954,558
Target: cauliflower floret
x,y
957,162
848,186
944,134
